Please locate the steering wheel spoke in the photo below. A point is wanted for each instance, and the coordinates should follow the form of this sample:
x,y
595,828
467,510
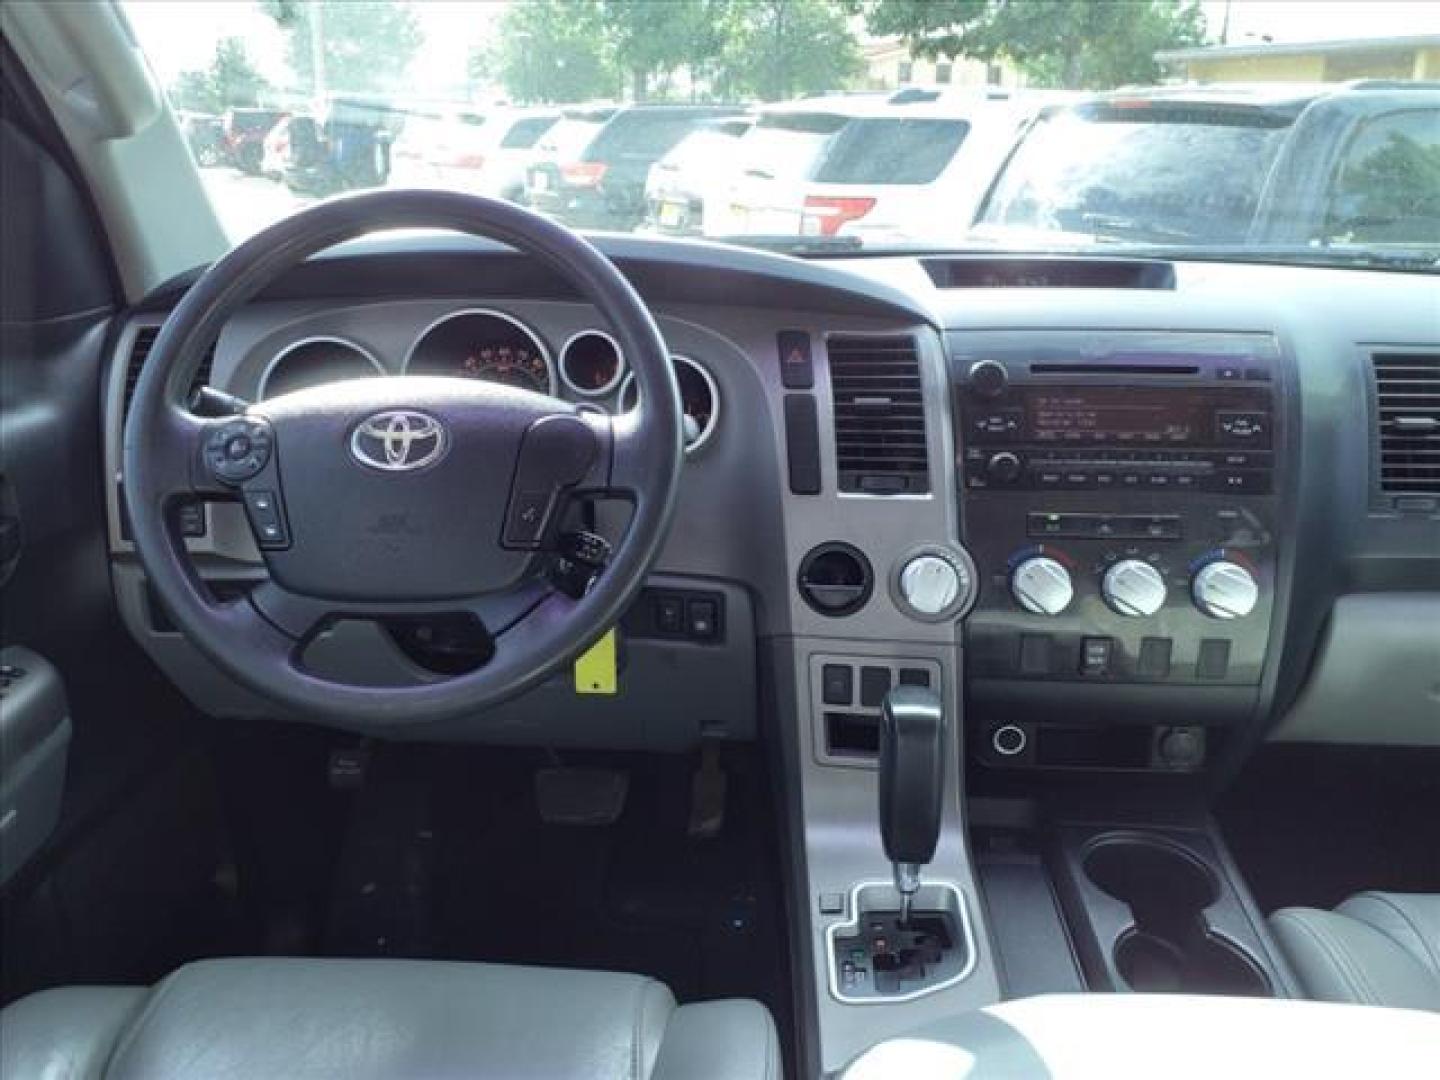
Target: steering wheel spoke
x,y
501,611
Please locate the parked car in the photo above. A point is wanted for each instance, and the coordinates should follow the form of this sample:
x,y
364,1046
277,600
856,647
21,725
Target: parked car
x,y
693,175
1276,164
244,136
482,153
205,135
343,152
865,166
599,182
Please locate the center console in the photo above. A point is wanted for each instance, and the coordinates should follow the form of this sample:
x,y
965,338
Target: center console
x,y
1119,495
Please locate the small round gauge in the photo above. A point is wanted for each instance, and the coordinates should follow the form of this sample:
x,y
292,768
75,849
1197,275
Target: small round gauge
x,y
590,363
486,345
316,361
699,399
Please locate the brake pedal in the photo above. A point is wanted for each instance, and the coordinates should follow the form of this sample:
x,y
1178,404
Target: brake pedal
x,y
574,796
707,796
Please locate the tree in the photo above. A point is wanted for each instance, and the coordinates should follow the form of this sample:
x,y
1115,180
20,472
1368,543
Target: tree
x,y
1077,44
651,41
231,81
550,51
367,44
776,49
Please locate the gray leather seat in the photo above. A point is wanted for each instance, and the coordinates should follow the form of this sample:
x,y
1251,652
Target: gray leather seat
x,y
1376,948
274,1018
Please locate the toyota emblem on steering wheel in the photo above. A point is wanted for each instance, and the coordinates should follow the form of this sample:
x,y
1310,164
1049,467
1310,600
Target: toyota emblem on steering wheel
x,y
398,440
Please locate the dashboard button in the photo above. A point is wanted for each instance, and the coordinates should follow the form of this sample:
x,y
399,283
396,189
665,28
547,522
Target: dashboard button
x,y
796,371
1240,481
914,677
837,684
1095,656
1242,427
669,615
1153,661
703,621
1214,659
874,685
526,520
1035,652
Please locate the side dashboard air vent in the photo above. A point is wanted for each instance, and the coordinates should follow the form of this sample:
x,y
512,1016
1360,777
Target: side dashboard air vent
x,y
879,415
1407,403
144,342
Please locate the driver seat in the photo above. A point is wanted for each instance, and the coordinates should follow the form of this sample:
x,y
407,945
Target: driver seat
x,y
268,1018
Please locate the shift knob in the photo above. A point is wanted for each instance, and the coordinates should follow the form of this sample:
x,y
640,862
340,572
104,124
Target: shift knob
x,y
912,774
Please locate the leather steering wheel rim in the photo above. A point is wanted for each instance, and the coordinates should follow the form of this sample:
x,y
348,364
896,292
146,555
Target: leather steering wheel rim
x,y
639,456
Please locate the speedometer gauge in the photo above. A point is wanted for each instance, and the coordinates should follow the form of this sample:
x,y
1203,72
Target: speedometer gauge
x,y
483,344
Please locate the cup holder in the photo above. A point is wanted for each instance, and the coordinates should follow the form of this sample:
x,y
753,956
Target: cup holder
x,y
1170,946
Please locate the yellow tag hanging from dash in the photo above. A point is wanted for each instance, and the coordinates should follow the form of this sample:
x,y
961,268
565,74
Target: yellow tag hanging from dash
x,y
595,670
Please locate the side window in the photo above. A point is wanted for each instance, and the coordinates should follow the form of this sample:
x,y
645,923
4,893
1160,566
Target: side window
x,y
1387,186
526,133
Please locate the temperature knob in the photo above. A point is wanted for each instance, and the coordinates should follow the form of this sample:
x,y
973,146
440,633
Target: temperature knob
x,y
1042,585
1225,590
930,584
1133,587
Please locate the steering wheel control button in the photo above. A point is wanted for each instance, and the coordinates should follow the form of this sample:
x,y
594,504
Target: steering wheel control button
x,y
796,370
238,450
1225,590
267,518
525,524
1134,588
1042,586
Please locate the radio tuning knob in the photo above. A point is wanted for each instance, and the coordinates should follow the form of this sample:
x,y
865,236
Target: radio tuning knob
x,y
1133,587
1225,590
1042,586
987,378
1003,467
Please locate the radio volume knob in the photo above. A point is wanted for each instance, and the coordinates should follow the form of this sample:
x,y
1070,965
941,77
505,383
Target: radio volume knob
x,y
1133,587
1003,467
1225,590
1042,586
987,378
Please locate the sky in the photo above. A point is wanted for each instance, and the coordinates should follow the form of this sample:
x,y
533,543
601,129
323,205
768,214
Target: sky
x,y
180,35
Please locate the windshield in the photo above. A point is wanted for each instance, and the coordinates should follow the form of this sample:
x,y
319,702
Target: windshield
x,y
1307,131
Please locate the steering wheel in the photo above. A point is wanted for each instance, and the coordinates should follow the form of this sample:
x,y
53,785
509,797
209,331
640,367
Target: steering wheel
x,y
399,496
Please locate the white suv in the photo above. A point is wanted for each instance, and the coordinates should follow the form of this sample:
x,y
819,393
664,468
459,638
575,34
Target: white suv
x,y
866,167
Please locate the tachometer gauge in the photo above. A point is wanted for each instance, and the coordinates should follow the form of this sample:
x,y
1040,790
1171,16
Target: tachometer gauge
x,y
513,365
316,361
483,344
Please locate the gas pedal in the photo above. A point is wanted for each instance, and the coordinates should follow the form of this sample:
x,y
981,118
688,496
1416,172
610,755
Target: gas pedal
x,y
707,796
582,797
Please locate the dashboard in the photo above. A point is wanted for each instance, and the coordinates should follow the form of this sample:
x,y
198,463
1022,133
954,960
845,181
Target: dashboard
x,y
1133,522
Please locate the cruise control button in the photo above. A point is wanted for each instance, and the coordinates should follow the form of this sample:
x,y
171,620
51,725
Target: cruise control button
x,y
267,518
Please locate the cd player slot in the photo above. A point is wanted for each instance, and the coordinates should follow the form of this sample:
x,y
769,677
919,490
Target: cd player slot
x,y
1114,369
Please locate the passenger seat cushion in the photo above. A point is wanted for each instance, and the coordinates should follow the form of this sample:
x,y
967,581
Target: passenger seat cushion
x,y
1374,949
359,1019
66,1034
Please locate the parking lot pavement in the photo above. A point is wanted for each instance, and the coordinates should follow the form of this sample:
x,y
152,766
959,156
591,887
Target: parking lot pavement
x,y
246,204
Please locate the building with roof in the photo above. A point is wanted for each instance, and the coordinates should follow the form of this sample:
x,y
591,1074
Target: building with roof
x,y
1414,57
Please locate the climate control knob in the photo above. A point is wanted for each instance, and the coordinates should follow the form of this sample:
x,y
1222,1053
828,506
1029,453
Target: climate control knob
x,y
930,584
1225,590
1042,586
1133,587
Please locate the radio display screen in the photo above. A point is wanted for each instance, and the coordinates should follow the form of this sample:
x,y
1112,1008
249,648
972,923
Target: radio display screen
x,y
1115,414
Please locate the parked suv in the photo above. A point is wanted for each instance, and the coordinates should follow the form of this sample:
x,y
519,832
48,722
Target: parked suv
x,y
244,136
865,166
1275,164
693,176
600,183
482,153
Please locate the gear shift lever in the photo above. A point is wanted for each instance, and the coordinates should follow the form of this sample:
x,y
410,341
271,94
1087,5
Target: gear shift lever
x,y
912,780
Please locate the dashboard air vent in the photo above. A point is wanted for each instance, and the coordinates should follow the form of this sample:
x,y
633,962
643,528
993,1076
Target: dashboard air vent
x,y
144,342
879,415
1407,400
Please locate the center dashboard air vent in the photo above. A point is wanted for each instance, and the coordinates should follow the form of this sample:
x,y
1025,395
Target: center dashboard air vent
x,y
1407,404
879,407
144,342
